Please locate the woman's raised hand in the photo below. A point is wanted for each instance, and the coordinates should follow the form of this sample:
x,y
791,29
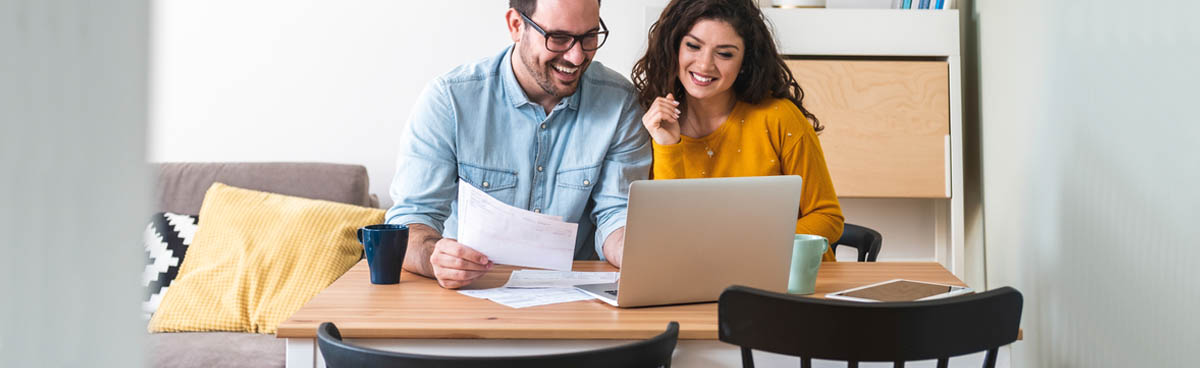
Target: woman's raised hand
x,y
662,120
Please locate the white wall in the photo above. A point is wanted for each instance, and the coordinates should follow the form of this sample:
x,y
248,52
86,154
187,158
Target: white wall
x,y
74,191
334,81
1090,177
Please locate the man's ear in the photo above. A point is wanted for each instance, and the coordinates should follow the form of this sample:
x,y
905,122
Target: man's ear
x,y
515,24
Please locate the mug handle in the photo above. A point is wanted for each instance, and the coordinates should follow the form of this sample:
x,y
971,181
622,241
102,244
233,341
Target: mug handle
x,y
360,235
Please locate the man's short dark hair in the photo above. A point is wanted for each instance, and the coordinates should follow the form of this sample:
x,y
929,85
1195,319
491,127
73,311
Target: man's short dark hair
x,y
527,7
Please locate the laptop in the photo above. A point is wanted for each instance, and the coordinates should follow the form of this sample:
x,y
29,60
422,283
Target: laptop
x,y
686,240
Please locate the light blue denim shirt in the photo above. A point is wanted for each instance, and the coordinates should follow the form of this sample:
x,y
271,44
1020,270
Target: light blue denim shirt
x,y
476,124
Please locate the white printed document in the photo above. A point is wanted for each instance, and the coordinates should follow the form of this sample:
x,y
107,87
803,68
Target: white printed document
x,y
528,288
513,236
521,298
557,279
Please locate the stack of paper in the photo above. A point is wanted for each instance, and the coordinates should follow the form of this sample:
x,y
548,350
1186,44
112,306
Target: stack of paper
x,y
527,288
513,236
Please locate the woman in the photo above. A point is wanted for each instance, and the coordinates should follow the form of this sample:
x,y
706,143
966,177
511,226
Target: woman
x,y
720,102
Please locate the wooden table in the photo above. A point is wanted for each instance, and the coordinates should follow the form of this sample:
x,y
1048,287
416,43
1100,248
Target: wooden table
x,y
417,315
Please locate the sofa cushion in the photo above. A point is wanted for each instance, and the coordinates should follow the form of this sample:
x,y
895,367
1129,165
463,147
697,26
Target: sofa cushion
x,y
215,349
166,240
181,185
258,258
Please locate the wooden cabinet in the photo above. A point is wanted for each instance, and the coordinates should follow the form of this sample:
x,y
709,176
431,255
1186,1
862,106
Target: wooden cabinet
x,y
887,124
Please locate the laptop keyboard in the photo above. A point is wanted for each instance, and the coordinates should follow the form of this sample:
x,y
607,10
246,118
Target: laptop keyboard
x,y
611,292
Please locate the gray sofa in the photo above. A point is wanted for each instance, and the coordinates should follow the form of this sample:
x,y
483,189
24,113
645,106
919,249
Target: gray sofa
x,y
181,188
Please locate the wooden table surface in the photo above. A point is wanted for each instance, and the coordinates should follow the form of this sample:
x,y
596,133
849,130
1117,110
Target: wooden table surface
x,y
418,308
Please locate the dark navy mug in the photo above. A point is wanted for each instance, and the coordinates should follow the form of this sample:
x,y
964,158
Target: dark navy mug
x,y
384,246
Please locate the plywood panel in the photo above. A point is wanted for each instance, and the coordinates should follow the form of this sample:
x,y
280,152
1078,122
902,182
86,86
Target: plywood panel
x,y
887,124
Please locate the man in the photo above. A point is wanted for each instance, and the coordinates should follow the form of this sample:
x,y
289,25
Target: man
x,y
538,126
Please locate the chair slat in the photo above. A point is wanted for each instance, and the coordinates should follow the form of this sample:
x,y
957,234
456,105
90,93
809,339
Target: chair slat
x,y
866,240
989,360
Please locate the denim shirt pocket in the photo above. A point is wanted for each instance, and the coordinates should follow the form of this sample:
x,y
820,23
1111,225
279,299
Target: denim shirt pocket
x,y
574,186
580,178
498,183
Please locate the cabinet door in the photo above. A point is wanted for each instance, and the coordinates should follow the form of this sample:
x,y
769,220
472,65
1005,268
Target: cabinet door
x,y
887,124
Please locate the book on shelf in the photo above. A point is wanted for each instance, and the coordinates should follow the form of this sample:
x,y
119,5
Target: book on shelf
x,y
923,4
890,4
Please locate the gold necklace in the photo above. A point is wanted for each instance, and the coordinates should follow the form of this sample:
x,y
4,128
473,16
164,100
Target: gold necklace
x,y
708,150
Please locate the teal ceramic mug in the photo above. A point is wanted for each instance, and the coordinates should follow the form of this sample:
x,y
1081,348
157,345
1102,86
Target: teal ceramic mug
x,y
807,251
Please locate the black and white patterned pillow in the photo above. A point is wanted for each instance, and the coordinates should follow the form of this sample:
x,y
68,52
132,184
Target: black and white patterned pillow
x,y
166,239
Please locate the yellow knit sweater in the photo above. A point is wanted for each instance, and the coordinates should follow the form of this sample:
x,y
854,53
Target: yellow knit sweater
x,y
770,138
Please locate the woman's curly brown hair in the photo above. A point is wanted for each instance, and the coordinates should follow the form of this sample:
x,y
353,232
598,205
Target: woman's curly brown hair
x,y
763,71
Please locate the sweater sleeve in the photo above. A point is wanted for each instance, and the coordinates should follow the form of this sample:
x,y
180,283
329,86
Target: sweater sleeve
x,y
820,212
668,161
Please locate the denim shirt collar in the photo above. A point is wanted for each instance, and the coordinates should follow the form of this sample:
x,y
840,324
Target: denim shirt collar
x,y
516,94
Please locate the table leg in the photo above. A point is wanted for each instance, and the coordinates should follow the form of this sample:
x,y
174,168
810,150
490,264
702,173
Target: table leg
x,y
302,352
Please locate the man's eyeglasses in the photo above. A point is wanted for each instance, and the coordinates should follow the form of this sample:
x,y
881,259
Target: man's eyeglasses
x,y
561,42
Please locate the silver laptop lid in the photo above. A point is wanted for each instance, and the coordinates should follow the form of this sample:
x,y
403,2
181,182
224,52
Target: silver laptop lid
x,y
686,240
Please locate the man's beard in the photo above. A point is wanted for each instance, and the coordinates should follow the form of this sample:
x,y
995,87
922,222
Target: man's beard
x,y
542,75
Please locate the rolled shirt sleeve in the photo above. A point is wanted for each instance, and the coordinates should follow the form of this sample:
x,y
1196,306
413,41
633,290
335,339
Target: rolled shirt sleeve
x,y
628,159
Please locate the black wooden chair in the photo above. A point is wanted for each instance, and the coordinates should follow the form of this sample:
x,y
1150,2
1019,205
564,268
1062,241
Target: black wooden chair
x,y
866,240
812,328
653,352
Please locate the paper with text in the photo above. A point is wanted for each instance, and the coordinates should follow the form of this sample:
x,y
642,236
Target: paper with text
x,y
557,279
513,236
521,298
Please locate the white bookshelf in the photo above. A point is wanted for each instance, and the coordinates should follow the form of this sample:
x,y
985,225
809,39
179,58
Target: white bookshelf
x,y
868,33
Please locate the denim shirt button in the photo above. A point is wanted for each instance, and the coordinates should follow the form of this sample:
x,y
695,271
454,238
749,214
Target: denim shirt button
x,y
538,210
539,169
586,182
485,184
543,125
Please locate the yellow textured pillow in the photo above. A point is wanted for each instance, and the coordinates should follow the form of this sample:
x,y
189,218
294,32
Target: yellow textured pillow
x,y
258,257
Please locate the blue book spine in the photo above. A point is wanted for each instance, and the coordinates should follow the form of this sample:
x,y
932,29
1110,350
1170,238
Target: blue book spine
x,y
924,4
907,4
940,3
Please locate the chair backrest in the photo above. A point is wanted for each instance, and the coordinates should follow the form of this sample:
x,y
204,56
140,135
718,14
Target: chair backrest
x,y
812,328
653,352
866,240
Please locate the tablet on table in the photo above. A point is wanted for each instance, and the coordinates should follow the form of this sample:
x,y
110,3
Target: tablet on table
x,y
900,290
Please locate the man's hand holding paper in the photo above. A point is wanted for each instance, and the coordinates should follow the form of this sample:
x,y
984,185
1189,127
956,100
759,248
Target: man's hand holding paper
x,y
456,265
